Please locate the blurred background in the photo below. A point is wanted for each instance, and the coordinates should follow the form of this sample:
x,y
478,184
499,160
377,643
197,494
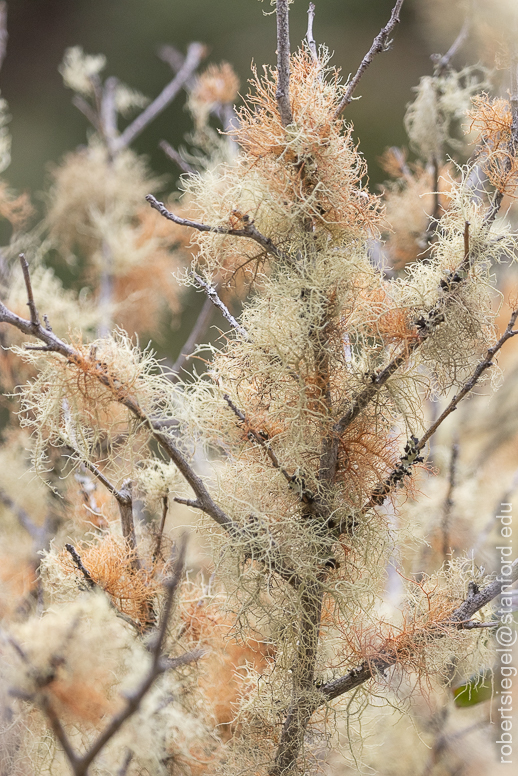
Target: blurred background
x,y
45,124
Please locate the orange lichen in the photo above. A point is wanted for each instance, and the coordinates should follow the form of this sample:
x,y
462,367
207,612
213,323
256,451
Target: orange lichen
x,y
493,121
217,85
223,680
316,161
110,563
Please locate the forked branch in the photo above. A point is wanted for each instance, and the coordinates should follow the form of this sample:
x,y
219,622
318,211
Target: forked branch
x,y
195,54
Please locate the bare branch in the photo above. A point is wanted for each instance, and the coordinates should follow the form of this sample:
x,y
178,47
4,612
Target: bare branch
x,y
379,44
165,505
195,54
108,115
283,61
197,331
173,154
216,301
309,34
443,62
248,230
86,109
128,525
30,296
175,59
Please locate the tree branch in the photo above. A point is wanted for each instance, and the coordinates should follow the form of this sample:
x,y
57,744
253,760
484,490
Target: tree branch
x,y
173,154
197,331
216,301
415,446
30,296
203,501
283,62
249,231
309,34
195,54
124,501
443,62
79,564
462,615
133,700
379,44
296,482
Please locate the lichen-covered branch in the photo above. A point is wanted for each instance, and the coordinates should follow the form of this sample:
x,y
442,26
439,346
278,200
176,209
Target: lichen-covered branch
x,y
249,230
283,61
458,619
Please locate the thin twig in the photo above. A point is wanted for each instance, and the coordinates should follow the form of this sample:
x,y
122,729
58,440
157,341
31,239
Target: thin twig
x,y
79,563
283,62
379,44
195,54
448,503
443,62
415,446
249,230
295,481
165,505
30,296
473,380
86,109
173,154
309,34
212,294
198,330
110,487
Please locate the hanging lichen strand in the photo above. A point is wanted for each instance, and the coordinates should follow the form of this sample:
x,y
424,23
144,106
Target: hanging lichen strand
x,y
311,407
